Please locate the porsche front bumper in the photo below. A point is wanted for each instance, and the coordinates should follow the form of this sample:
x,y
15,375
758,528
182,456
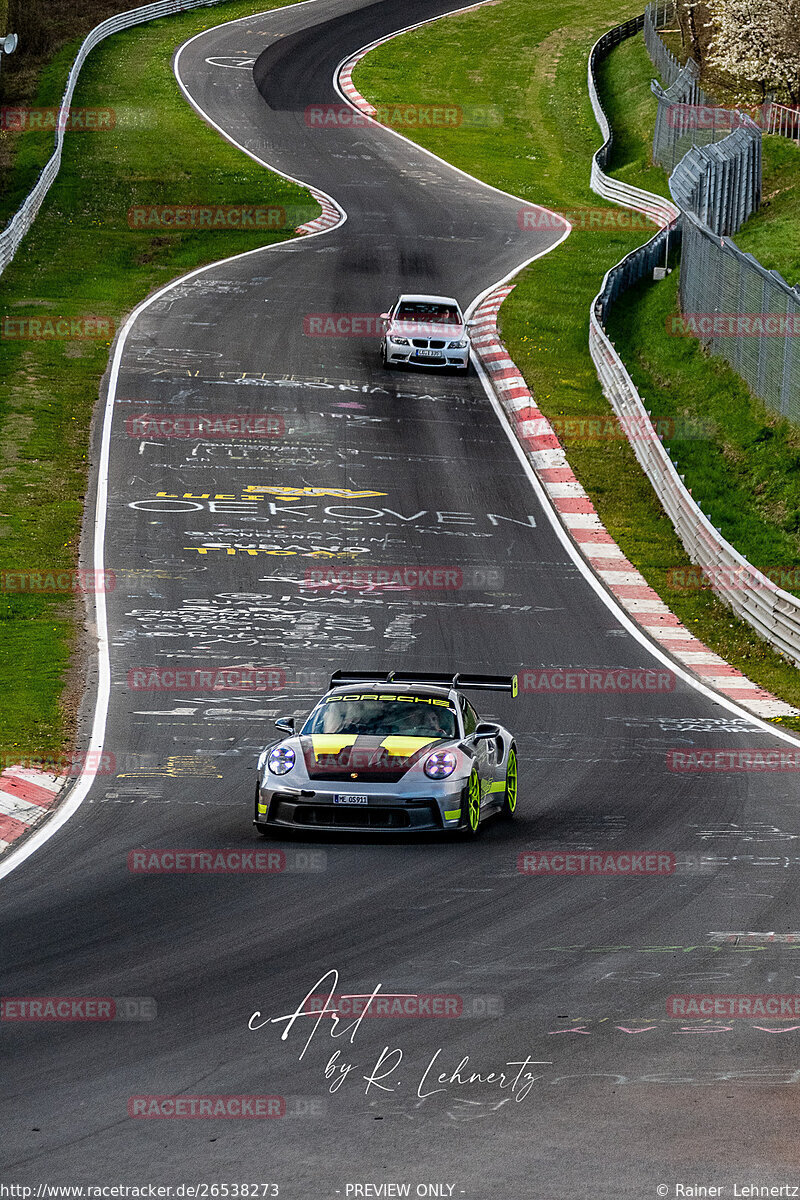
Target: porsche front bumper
x,y
387,809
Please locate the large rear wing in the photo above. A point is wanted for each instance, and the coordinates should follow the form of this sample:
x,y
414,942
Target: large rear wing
x,y
484,683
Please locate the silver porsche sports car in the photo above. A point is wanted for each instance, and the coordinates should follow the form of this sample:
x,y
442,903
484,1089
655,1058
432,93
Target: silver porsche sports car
x,y
393,752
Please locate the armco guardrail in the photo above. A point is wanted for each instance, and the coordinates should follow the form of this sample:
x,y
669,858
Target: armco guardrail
x,y
22,220
772,612
656,207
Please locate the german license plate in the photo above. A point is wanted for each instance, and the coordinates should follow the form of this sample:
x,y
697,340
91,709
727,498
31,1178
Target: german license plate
x,y
428,354
350,799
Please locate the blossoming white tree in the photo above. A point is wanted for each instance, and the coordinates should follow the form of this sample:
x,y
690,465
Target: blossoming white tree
x,y
756,43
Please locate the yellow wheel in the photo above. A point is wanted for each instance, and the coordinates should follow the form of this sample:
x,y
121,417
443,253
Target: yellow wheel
x,y
510,802
473,803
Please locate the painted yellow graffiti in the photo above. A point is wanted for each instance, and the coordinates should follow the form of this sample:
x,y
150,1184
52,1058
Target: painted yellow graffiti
x,y
297,493
233,550
176,765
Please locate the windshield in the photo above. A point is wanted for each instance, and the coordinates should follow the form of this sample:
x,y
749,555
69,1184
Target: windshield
x,y
373,717
420,310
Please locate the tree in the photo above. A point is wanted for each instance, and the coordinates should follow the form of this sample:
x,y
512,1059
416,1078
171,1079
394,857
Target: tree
x,y
692,22
756,43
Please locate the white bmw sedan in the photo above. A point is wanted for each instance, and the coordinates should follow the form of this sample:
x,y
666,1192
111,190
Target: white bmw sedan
x,y
425,331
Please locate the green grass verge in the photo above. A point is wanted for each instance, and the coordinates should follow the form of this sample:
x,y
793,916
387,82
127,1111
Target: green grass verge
x,y
771,234
81,257
531,63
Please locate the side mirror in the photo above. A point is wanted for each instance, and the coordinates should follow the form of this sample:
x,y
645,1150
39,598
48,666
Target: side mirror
x,y
485,731
384,316
285,724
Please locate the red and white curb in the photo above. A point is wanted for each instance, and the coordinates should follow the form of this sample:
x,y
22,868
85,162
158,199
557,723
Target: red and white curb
x,y
331,215
577,513
26,798
348,87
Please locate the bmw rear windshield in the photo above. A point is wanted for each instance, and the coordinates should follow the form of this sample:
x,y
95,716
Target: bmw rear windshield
x,y
376,716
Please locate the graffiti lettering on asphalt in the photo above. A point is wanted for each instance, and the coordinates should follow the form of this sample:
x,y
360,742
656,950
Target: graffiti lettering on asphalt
x,y
702,948
688,724
264,621
665,1025
741,937
757,831
255,501
176,766
234,63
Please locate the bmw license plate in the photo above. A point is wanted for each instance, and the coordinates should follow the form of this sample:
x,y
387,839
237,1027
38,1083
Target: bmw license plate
x,y
427,354
350,799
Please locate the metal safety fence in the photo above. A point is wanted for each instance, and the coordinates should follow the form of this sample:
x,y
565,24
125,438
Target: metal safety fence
x,y
743,313
721,184
681,120
740,311
779,119
22,220
713,153
656,16
771,611
783,121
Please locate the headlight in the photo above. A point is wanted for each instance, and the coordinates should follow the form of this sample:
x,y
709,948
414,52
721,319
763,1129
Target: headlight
x,y
398,341
440,765
281,760
457,345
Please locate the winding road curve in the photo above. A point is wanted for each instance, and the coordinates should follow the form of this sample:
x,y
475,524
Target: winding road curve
x,y
613,1112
